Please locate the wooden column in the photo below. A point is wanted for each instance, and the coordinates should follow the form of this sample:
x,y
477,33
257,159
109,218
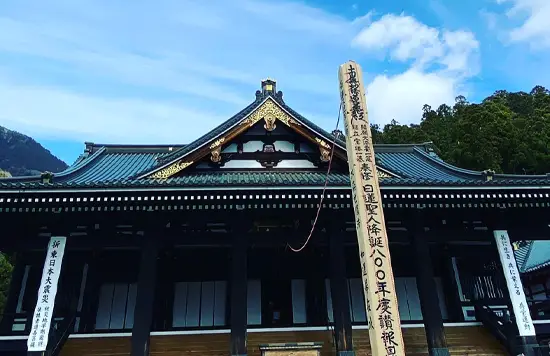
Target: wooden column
x,y
427,288
340,293
164,304
13,295
238,310
143,312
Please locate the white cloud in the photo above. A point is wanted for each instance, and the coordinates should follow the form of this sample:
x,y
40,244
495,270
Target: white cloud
x,y
490,18
401,97
109,70
403,37
168,71
440,61
533,18
61,114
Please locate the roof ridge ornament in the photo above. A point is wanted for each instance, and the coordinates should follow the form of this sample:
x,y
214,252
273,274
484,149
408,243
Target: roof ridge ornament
x,y
269,88
46,177
488,174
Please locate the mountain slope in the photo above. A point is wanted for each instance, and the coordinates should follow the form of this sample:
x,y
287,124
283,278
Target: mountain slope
x,y
21,155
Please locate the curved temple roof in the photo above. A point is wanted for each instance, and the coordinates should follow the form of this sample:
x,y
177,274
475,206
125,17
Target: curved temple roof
x,y
128,166
533,256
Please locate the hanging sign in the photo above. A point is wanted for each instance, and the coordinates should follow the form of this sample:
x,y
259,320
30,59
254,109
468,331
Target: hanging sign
x,y
385,334
513,281
43,313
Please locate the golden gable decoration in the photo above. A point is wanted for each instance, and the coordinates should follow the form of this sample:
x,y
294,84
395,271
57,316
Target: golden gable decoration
x,y
270,112
171,170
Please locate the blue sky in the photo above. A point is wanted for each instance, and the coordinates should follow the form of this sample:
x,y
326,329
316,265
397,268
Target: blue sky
x,y
166,71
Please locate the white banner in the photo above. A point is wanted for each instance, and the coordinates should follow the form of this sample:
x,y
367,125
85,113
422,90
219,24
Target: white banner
x,y
513,281
42,318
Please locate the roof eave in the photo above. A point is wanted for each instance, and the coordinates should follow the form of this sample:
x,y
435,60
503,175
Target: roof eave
x,y
267,188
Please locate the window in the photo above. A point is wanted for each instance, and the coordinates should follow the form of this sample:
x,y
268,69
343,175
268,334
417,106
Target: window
x,y
199,304
357,301
116,306
254,302
299,301
408,299
357,308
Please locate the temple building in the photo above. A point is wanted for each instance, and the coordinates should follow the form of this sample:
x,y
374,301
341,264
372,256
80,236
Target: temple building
x,y
195,249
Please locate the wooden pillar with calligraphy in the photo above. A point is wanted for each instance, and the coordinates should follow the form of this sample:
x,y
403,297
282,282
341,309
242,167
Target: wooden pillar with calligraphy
x,y
385,333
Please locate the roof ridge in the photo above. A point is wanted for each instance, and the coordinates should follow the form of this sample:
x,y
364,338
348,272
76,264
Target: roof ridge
x,y
79,165
76,166
135,145
449,166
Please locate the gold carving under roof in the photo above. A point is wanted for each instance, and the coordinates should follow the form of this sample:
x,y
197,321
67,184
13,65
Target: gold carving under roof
x,y
325,155
322,143
215,155
170,170
217,143
270,123
269,111
382,174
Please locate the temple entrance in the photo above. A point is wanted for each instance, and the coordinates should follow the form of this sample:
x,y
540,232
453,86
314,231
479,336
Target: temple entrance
x,y
277,306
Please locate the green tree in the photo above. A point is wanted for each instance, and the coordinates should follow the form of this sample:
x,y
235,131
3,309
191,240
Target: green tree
x,y
507,132
5,279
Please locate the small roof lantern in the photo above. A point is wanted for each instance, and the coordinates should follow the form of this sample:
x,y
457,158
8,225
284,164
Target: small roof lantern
x,y
269,86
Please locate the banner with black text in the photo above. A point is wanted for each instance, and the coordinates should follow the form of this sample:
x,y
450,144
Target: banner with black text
x,y
513,281
43,312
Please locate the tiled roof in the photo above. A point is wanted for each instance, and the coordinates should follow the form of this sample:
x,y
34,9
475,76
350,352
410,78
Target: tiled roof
x,y
533,256
121,166
521,255
116,166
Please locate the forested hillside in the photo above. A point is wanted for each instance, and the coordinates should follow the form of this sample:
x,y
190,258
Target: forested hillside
x,y
21,155
506,132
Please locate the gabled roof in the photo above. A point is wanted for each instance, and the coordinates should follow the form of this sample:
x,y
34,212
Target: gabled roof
x,y
267,103
133,166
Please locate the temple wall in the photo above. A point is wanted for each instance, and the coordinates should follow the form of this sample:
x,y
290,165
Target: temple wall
x,y
462,341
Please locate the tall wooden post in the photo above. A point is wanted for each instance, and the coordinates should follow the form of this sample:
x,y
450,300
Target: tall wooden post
x,y
385,333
